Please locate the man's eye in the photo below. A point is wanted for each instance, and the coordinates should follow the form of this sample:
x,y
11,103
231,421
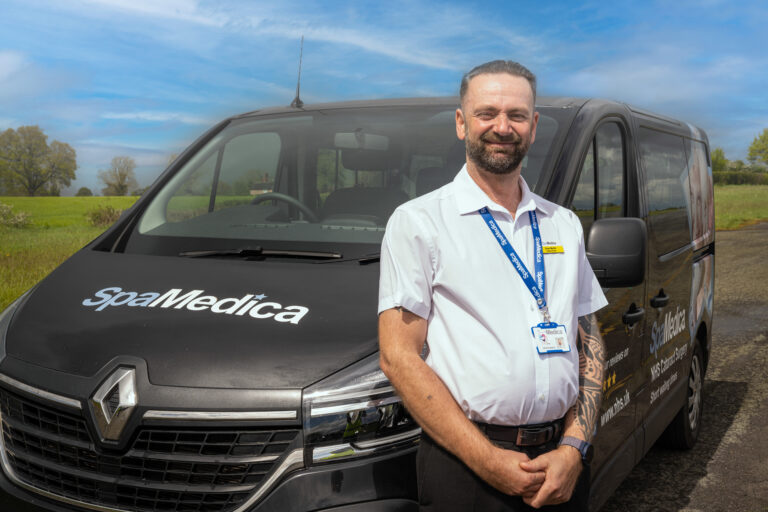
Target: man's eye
x,y
485,115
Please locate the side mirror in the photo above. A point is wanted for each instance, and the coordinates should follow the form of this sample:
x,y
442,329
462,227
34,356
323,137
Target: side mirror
x,y
616,251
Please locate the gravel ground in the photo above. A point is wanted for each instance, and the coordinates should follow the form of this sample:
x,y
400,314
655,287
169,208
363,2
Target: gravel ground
x,y
728,469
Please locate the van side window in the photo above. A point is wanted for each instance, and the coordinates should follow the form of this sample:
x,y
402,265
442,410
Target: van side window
x,y
583,203
602,197
666,183
610,171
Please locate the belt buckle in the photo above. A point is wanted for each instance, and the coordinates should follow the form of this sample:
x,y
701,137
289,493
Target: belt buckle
x,y
532,436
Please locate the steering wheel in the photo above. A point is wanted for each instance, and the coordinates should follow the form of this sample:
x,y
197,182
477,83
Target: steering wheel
x,y
277,196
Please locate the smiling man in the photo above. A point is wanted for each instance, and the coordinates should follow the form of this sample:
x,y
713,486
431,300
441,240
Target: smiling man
x,y
509,392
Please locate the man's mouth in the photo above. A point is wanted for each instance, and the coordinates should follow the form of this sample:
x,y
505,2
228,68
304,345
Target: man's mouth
x,y
501,142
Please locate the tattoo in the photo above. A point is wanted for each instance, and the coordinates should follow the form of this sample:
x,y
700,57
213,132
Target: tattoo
x,y
591,369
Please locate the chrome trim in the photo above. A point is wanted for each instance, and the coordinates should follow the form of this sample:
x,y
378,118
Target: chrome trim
x,y
375,443
201,459
294,460
45,395
339,451
111,424
677,252
331,396
335,409
219,415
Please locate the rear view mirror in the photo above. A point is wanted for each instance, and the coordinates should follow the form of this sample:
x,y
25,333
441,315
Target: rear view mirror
x,y
360,140
616,251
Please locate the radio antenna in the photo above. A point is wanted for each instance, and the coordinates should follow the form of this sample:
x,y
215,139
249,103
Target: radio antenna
x,y
297,103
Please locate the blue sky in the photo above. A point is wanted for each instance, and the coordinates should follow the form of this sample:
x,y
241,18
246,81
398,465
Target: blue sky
x,y
144,78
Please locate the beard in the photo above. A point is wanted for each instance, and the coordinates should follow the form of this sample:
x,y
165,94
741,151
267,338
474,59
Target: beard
x,y
497,161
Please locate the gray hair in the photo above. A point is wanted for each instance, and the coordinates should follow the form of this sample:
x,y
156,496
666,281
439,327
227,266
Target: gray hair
x,y
498,66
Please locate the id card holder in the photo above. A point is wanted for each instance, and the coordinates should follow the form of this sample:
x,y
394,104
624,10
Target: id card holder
x,y
550,338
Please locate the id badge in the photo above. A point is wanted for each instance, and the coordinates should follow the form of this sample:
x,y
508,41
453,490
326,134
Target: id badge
x,y
550,337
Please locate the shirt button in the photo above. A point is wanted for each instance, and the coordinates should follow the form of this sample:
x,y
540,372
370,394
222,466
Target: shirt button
x,y
542,398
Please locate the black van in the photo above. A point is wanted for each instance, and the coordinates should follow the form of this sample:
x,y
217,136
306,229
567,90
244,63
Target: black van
x,y
216,349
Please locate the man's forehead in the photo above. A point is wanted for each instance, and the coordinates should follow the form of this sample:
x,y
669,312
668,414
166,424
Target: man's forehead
x,y
489,85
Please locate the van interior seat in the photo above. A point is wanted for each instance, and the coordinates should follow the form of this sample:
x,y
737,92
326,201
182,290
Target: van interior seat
x,y
378,202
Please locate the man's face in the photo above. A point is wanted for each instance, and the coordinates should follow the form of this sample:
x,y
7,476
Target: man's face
x,y
497,121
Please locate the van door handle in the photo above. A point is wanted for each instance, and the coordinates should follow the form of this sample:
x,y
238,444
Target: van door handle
x,y
660,300
633,315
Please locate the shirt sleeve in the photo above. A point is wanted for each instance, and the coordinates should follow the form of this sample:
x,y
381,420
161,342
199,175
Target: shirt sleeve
x,y
591,296
406,266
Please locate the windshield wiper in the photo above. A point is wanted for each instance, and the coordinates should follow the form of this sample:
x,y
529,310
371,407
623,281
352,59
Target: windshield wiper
x,y
363,260
258,252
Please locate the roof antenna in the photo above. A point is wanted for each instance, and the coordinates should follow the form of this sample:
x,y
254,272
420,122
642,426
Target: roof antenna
x,y
297,103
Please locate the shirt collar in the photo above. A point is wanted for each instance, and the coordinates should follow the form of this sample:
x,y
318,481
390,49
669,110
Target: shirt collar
x,y
470,197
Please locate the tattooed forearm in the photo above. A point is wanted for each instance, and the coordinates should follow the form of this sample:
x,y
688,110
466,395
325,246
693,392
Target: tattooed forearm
x,y
591,369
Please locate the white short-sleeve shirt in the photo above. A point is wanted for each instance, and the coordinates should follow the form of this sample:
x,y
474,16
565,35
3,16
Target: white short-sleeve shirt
x,y
440,261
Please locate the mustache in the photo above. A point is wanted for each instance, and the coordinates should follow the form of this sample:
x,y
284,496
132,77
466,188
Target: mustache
x,y
493,138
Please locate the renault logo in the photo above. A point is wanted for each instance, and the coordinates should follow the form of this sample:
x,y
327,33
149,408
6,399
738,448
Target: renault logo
x,y
114,402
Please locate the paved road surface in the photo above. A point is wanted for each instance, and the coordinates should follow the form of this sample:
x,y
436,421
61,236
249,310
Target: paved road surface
x,y
728,469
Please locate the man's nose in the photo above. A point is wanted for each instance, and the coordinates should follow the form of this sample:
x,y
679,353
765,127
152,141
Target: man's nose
x,y
502,126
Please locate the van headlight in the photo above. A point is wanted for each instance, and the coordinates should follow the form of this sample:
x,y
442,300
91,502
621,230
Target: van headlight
x,y
355,413
5,320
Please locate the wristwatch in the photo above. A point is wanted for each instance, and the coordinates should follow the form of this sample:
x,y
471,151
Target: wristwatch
x,y
586,449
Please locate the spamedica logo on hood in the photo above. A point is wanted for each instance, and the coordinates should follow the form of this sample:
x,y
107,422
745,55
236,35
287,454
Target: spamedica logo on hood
x,y
194,300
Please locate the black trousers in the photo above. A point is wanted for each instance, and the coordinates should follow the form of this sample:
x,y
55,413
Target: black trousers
x,y
447,485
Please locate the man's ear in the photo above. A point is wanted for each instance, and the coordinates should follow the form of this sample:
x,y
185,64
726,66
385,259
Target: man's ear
x,y
460,124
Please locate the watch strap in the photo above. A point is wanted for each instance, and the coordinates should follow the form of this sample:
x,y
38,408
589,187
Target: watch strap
x,y
579,444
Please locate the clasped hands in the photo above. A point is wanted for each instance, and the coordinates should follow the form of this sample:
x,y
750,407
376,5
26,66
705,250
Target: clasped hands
x,y
549,479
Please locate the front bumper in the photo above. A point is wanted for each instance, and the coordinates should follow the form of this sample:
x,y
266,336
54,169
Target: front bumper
x,y
381,484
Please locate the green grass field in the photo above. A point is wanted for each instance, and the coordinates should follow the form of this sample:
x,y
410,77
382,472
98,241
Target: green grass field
x,y
737,206
59,227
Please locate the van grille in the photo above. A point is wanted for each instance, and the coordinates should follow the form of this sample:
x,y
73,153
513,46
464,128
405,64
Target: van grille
x,y
201,470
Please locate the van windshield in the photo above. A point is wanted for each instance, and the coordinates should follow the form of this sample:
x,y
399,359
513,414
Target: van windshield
x,y
311,179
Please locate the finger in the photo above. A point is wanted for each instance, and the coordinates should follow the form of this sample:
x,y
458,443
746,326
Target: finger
x,y
530,501
536,478
534,465
531,489
541,498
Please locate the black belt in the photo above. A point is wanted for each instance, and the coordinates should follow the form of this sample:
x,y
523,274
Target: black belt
x,y
524,435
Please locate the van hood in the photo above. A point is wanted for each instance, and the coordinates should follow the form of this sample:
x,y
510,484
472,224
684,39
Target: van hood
x,y
217,323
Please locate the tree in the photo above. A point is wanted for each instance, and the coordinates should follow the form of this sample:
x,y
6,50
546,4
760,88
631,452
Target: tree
x,y
736,165
719,162
84,192
119,178
758,150
32,167
61,166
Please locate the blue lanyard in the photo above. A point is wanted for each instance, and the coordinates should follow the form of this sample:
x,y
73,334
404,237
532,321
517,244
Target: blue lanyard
x,y
536,286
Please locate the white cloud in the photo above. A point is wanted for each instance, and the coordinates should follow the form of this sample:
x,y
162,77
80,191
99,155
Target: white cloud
x,y
97,154
157,117
11,63
658,78
410,33
180,10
